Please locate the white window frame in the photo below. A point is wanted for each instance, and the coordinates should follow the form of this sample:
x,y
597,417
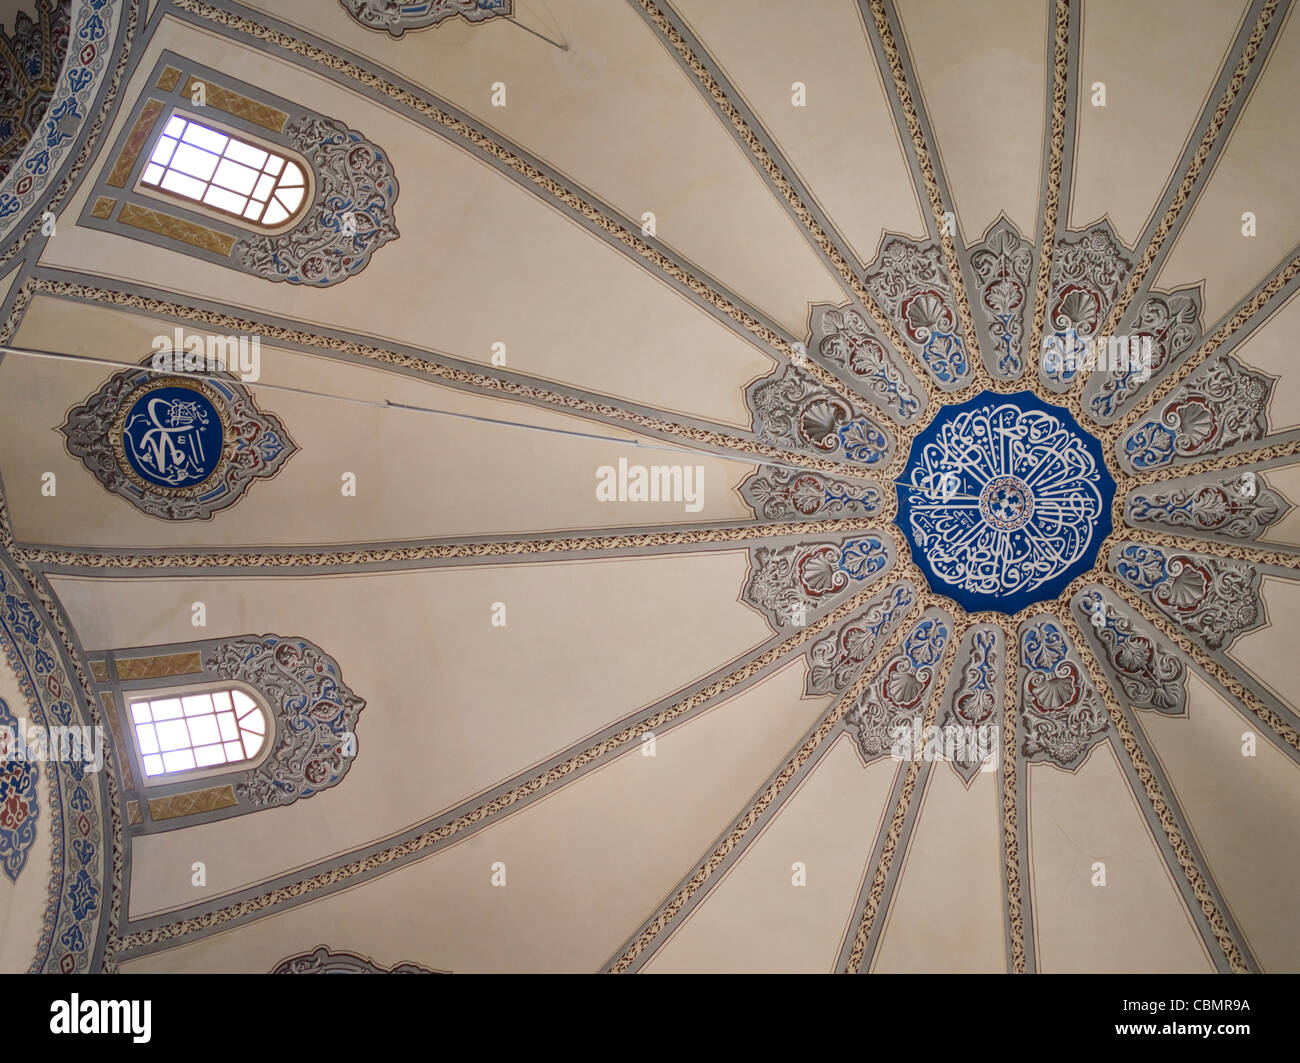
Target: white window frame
x,y
230,218
186,690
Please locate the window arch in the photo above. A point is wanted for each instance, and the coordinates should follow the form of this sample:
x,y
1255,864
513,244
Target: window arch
x,y
197,730
208,166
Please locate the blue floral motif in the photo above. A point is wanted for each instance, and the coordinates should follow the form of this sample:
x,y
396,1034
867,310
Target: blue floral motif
x,y
1150,445
315,715
862,557
864,442
73,939
22,618
1060,714
83,896
1044,647
1004,500
1142,566
945,354
925,644
351,218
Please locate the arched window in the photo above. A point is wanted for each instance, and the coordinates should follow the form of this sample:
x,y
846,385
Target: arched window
x,y
195,161
197,730
267,186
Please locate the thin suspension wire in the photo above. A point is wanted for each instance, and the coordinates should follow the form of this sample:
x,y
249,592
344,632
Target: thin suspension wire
x,y
563,47
388,404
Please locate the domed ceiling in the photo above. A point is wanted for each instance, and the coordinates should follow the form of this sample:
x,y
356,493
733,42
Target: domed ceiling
x,y
713,486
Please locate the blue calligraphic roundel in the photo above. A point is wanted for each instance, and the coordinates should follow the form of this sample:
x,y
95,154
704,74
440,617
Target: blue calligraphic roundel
x,y
172,436
1004,501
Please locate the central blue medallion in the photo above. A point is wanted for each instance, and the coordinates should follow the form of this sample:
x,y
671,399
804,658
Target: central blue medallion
x,y
1004,500
172,436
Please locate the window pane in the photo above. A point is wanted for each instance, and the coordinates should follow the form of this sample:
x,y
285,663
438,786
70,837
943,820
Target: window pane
x,y
290,197
194,162
229,729
203,730
182,185
152,174
274,214
144,733
188,731
181,760
197,704
292,176
235,177
254,211
264,185
205,138
246,153
163,152
172,735
223,200
166,708
176,126
273,165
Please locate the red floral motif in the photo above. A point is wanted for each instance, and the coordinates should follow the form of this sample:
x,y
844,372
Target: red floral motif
x,y
1077,308
819,572
1186,587
902,686
820,419
924,313
14,811
1054,692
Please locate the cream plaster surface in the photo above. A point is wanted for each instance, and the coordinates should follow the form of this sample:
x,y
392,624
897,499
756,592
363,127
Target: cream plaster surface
x,y
946,914
1285,480
843,142
1271,349
983,71
1157,83
1137,921
757,919
1255,174
1268,652
1244,813
616,113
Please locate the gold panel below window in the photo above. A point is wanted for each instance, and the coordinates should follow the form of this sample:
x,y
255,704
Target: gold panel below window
x,y
176,229
192,803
